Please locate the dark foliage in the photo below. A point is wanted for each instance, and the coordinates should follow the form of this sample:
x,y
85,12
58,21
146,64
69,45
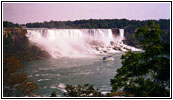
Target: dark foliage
x,y
16,44
53,94
147,73
99,23
130,26
16,49
10,25
15,82
82,91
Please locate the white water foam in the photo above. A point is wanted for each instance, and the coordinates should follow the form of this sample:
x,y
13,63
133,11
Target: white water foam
x,y
43,80
77,42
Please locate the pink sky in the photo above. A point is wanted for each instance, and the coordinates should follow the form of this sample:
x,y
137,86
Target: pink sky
x,y
38,12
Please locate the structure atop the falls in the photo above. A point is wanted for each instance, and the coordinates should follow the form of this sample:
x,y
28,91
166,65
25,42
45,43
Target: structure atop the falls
x,y
78,42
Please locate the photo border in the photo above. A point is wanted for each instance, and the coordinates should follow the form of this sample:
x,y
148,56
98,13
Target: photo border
x,y
87,97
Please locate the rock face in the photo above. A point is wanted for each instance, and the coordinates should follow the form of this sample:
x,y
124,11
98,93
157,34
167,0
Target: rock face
x,y
16,44
116,31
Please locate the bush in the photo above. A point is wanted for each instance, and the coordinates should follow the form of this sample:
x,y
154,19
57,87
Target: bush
x,y
15,82
145,73
82,91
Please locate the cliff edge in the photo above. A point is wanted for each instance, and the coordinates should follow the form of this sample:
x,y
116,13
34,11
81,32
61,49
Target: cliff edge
x,y
16,44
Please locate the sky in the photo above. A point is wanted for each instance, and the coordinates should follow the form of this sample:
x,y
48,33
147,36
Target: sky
x,y
23,13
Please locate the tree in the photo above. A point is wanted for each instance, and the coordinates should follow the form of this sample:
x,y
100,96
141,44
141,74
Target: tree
x,y
82,91
145,73
10,24
53,94
15,81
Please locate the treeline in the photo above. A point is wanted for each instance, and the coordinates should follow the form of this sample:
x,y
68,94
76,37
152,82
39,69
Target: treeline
x,y
10,24
129,26
93,23
142,74
98,23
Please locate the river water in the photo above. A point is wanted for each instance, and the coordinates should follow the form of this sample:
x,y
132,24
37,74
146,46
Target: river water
x,y
55,73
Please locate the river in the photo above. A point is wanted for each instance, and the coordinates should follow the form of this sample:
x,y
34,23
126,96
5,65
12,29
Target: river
x,y
55,73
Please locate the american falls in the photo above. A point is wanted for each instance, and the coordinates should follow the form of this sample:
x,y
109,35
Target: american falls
x,y
78,42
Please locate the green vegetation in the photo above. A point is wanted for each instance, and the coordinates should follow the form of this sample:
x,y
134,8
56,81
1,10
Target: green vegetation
x,y
145,74
98,23
10,25
130,26
15,82
82,91
16,44
53,94
16,50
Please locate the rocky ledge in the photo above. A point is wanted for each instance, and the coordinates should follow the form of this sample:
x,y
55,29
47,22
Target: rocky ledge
x,y
16,44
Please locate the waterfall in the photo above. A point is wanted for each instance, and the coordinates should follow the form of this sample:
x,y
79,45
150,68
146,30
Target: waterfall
x,y
75,42
121,34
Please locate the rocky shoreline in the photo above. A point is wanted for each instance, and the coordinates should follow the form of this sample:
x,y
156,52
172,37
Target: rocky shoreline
x,y
114,47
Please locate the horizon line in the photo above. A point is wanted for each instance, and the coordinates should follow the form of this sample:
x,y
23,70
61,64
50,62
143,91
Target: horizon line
x,y
91,19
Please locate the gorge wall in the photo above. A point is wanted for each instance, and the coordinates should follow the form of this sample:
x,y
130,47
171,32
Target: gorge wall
x,y
16,44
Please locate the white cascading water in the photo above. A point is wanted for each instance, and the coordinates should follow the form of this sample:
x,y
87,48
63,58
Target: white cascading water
x,y
77,42
121,34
